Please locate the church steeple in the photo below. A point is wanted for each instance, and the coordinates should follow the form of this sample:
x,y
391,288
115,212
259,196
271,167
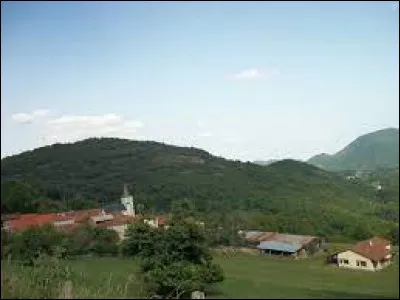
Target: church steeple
x,y
127,201
126,192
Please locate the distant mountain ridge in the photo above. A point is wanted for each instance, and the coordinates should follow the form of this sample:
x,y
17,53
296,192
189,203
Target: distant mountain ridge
x,y
379,149
264,162
287,195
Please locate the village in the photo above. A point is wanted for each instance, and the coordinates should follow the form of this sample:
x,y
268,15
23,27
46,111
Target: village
x,y
372,254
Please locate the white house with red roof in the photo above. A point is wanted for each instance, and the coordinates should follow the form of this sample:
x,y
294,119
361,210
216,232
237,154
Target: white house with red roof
x,y
372,254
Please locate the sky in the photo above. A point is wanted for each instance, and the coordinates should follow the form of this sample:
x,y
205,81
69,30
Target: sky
x,y
242,80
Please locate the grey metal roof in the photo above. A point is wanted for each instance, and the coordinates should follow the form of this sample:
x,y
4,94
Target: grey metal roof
x,y
278,246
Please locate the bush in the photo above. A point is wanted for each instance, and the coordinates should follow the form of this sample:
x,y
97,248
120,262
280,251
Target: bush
x,y
92,240
27,245
174,261
43,280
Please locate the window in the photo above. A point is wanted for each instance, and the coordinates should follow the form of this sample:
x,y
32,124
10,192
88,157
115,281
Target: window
x,y
346,261
361,263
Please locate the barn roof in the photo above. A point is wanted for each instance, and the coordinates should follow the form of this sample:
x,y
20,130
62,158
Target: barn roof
x,y
279,246
257,236
374,248
292,239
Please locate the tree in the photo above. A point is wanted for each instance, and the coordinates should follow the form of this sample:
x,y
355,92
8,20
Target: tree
x,y
182,209
139,240
17,196
93,240
174,261
28,245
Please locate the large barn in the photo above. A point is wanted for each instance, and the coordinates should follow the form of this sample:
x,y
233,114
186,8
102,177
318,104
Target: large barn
x,y
274,243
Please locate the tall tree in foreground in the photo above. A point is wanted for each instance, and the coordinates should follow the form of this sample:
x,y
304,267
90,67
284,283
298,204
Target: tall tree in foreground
x,y
174,261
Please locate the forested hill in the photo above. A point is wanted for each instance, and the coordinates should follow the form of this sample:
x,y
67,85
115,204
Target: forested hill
x,y
291,195
379,149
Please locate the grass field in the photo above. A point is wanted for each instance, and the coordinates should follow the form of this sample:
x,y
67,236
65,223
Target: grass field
x,y
247,276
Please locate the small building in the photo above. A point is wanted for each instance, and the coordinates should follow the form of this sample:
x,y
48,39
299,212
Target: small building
x,y
119,223
283,244
373,254
279,248
156,222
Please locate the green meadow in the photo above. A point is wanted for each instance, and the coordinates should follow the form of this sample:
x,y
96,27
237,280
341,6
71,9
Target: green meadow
x,y
247,276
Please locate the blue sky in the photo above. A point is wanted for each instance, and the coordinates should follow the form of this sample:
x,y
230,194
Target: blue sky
x,y
243,80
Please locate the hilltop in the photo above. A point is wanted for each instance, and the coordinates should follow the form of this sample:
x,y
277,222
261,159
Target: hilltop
x,y
265,162
379,149
286,195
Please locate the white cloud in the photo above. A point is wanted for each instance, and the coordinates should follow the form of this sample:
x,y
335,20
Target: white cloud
x,y
254,74
231,139
201,124
71,128
40,113
395,6
205,134
24,118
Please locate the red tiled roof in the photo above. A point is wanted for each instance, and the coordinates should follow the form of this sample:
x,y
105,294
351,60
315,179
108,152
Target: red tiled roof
x,y
255,237
118,220
265,236
30,220
162,220
10,217
374,248
26,221
84,215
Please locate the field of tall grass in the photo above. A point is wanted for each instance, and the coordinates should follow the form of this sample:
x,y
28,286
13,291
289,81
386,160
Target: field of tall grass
x,y
247,276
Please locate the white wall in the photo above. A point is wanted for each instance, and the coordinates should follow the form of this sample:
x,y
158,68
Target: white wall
x,y
120,229
352,259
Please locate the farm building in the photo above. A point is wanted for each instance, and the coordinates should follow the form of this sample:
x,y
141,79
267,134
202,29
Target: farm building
x,y
373,254
278,248
274,243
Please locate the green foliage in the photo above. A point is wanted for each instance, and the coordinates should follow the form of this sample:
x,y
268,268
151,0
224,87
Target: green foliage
x,y
379,149
174,261
182,209
43,280
139,240
18,196
87,240
21,196
287,196
26,246
247,276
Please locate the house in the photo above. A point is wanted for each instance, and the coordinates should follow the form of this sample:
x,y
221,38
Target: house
x,y
156,222
118,223
274,243
26,221
372,254
101,218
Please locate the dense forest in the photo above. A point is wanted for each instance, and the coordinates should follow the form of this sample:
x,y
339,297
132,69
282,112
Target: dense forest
x,y
379,149
287,195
